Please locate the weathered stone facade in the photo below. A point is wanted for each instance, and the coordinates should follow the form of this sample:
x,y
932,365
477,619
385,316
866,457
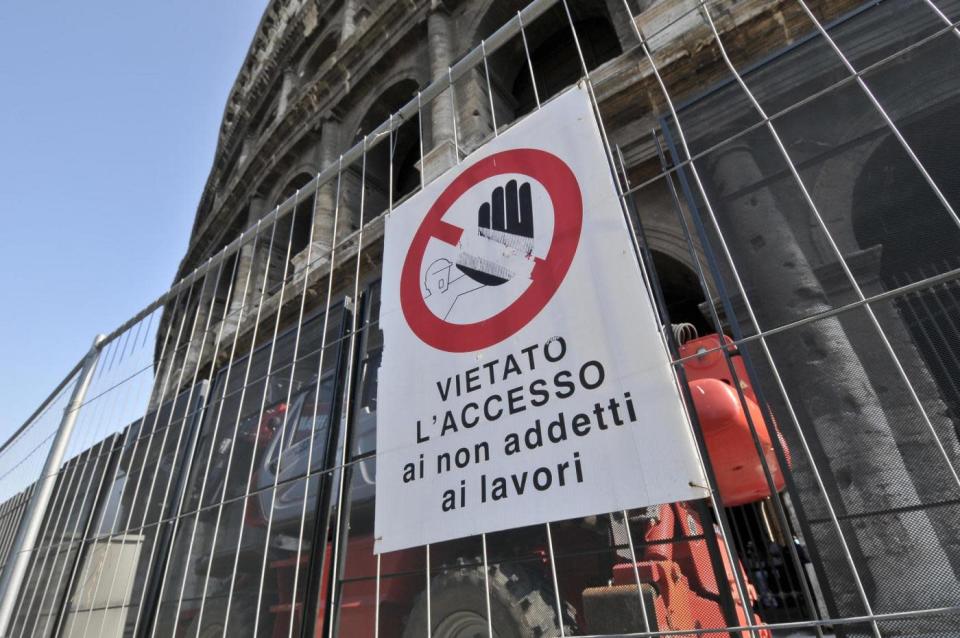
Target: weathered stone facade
x,y
322,74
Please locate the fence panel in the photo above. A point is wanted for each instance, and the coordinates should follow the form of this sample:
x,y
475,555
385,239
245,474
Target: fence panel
x,y
786,172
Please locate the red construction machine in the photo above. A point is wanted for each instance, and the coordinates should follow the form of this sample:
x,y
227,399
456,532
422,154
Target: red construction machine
x,y
674,551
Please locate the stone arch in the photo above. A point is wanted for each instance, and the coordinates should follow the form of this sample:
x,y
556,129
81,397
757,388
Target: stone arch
x,y
553,52
292,232
668,240
489,16
404,178
893,206
318,54
367,101
862,187
555,59
894,210
674,259
914,100
281,188
266,114
224,289
835,183
682,292
299,221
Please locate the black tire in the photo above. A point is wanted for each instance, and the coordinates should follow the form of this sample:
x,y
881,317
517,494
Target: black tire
x,y
241,620
521,605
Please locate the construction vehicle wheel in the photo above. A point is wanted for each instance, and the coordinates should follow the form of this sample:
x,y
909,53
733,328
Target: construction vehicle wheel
x,y
521,605
241,620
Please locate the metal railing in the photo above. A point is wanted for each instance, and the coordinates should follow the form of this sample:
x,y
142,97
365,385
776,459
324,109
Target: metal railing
x,y
212,467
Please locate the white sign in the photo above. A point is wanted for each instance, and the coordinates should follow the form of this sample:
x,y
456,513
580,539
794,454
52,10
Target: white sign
x,y
523,377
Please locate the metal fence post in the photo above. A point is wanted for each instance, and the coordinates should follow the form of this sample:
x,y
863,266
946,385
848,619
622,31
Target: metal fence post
x,y
26,538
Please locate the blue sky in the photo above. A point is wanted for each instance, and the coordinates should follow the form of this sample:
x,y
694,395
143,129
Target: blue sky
x,y
109,113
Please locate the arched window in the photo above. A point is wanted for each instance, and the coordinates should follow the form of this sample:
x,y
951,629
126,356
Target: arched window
x,y
319,55
223,288
556,63
292,233
267,112
553,54
894,208
301,219
405,152
682,293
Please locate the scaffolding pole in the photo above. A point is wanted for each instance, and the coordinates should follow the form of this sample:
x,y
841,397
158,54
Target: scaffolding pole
x,y
26,539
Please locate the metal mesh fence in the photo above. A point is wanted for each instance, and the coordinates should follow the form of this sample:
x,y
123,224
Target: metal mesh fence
x,y
787,169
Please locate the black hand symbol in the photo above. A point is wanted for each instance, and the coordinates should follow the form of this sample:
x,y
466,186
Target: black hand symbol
x,y
507,219
512,211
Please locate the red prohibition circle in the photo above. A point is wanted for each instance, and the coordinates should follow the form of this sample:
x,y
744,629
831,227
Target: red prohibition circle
x,y
547,275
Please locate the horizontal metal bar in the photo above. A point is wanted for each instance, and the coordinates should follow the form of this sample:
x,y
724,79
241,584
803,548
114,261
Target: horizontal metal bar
x,y
26,457
883,296
919,507
798,624
43,406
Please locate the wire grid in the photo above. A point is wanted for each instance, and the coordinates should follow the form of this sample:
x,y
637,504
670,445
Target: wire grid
x,y
221,476
24,453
